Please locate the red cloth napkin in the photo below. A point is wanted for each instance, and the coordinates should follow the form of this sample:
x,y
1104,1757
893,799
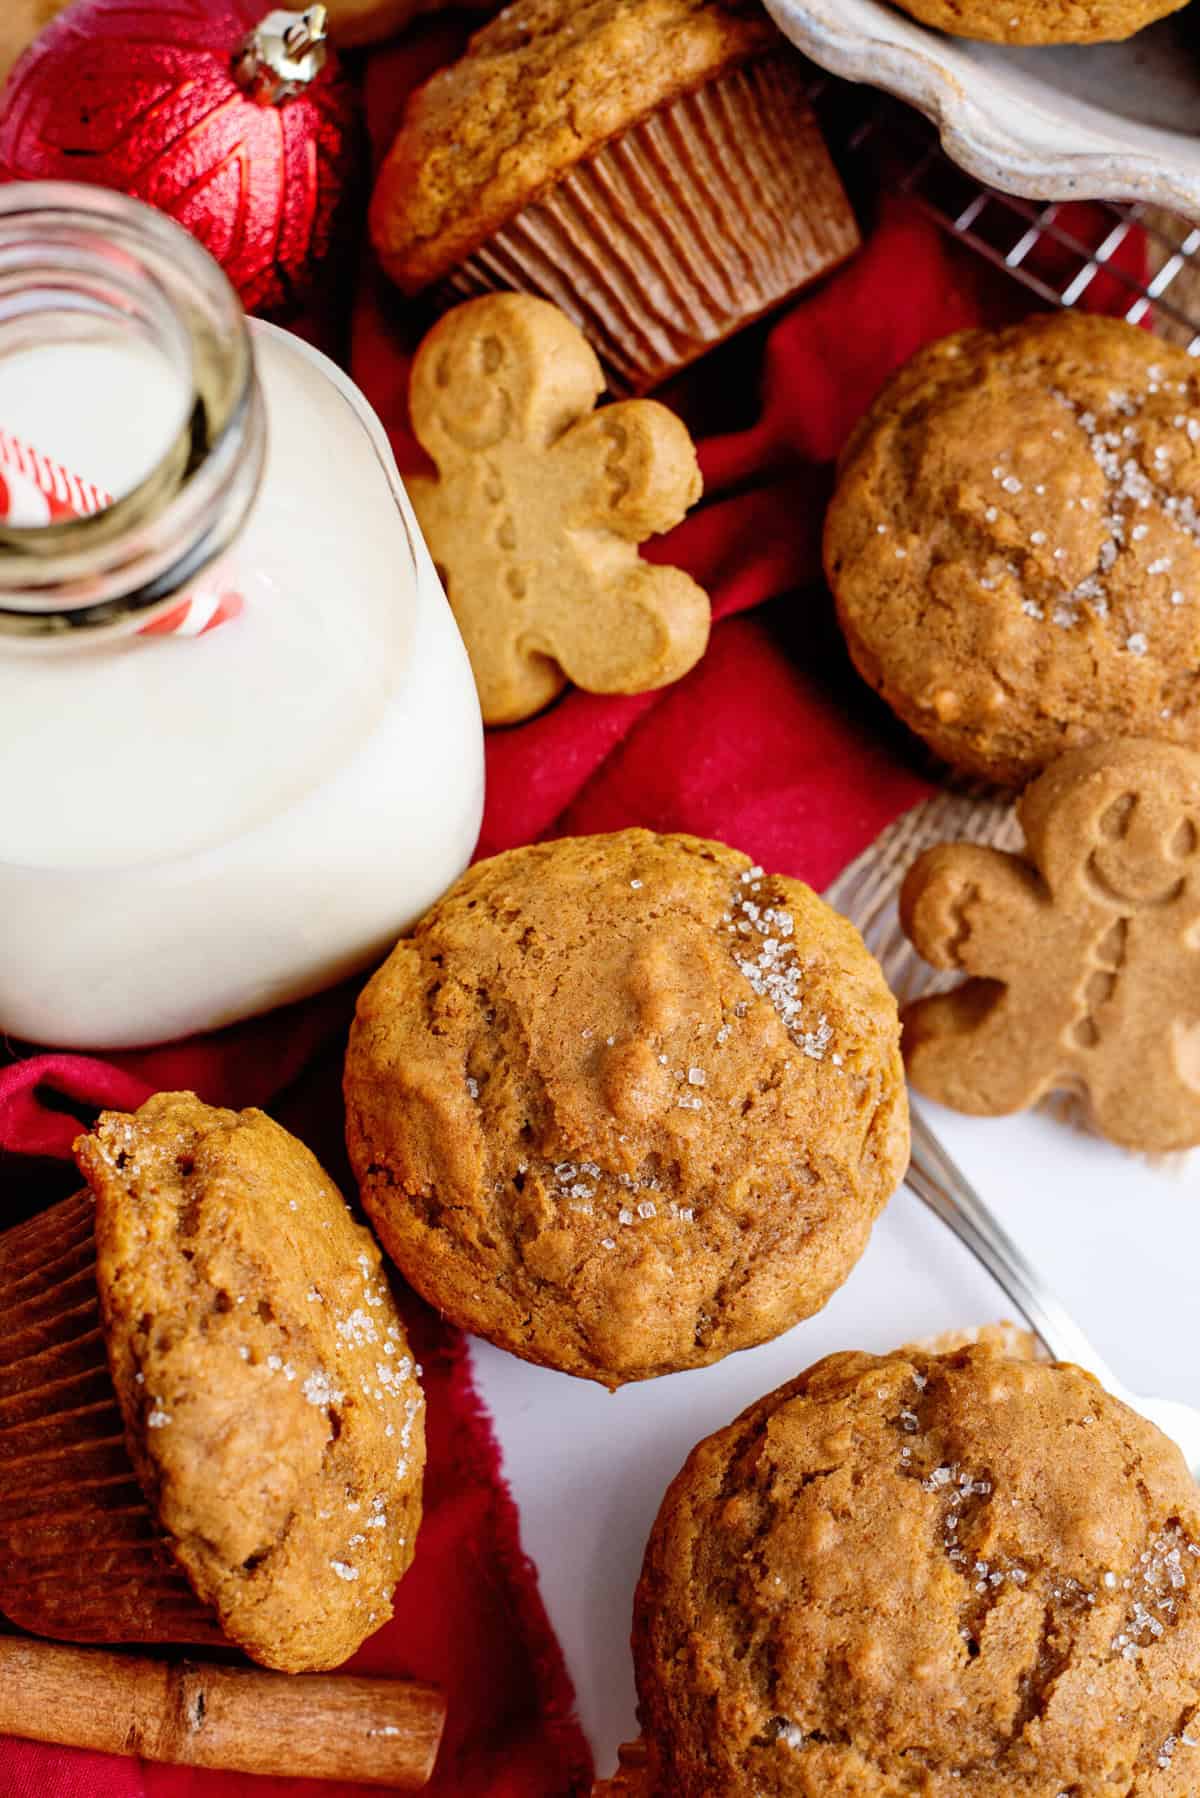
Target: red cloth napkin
x,y
771,743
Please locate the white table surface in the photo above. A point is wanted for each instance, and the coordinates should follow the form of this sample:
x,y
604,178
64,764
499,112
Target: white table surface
x,y
1119,1240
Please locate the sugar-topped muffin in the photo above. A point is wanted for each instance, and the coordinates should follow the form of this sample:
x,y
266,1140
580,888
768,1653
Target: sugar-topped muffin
x,y
958,1576
1041,21
211,1427
1014,543
623,1104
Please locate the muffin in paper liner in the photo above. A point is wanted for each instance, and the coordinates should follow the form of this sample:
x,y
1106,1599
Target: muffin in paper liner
x,y
81,1553
211,1429
652,167
693,223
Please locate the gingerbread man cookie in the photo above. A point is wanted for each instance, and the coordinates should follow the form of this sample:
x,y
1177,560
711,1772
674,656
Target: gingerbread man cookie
x,y
539,506
1083,956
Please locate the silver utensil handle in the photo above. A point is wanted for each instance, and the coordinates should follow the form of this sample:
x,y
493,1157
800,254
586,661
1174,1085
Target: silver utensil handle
x,y
936,1179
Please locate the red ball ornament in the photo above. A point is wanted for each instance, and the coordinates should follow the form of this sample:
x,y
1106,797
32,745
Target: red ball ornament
x,y
234,120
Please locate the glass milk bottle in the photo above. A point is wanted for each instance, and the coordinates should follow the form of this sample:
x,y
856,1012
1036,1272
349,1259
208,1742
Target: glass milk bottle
x,y
240,747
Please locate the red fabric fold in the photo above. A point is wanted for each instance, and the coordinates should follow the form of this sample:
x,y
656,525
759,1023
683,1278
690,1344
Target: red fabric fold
x,y
771,743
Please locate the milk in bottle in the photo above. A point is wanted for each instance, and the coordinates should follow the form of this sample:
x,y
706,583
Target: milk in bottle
x,y
195,827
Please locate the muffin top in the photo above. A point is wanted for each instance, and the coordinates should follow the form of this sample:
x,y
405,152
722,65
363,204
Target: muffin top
x,y
1014,543
623,1104
539,89
1041,21
958,1576
271,1405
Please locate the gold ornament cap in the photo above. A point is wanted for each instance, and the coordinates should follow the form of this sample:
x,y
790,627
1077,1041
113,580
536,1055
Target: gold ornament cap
x,y
283,55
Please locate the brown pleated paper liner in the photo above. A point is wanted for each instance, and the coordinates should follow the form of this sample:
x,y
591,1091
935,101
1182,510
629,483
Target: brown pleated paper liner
x,y
685,228
81,1554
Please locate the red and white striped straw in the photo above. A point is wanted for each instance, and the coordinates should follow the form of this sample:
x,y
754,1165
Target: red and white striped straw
x,y
34,490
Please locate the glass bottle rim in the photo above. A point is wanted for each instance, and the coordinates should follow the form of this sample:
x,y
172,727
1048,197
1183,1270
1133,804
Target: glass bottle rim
x,y
117,567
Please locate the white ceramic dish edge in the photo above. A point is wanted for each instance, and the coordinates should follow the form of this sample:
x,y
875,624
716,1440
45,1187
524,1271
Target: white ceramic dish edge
x,y
994,121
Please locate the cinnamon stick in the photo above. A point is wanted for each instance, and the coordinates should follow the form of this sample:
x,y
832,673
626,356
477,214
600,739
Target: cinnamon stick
x,y
381,1732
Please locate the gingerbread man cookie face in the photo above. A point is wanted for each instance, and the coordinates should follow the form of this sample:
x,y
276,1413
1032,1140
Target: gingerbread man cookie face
x,y
539,505
1128,834
1082,957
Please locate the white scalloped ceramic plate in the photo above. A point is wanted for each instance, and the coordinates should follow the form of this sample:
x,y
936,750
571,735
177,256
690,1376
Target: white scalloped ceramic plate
x,y
1116,1239
1111,121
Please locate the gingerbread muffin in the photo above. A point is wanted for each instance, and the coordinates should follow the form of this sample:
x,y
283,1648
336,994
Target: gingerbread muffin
x,y
211,1427
1041,21
620,158
22,21
623,1104
1014,543
959,1576
631,1777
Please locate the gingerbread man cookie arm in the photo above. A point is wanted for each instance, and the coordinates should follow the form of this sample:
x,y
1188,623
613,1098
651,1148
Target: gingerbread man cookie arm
x,y
645,629
977,1049
979,910
966,906
635,625
636,468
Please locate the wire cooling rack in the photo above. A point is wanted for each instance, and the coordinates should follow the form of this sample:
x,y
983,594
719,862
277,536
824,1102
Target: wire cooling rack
x,y
885,144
